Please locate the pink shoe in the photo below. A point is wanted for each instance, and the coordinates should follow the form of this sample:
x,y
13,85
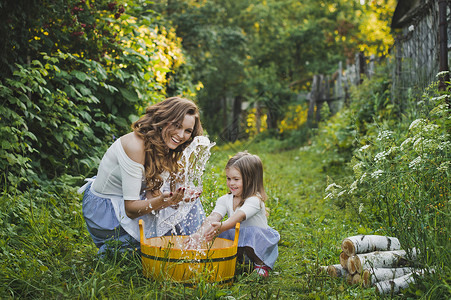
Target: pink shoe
x,y
262,270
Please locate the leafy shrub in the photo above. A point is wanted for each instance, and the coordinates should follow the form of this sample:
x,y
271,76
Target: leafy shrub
x,y
335,139
101,67
371,100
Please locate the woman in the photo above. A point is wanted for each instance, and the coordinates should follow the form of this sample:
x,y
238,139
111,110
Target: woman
x,y
130,178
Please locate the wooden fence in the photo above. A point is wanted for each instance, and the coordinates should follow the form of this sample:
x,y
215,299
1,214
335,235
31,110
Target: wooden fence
x,y
333,90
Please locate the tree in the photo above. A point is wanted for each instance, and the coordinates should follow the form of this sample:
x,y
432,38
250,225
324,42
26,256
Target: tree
x,y
264,52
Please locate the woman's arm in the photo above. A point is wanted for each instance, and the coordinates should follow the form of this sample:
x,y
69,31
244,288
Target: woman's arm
x,y
135,149
137,208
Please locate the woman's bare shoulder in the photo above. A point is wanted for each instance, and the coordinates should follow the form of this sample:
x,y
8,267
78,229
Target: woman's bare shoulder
x,y
134,147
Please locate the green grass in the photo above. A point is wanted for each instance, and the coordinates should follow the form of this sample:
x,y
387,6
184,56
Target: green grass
x,y
48,252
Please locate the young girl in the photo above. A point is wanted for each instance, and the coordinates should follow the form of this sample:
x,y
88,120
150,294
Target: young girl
x,y
244,204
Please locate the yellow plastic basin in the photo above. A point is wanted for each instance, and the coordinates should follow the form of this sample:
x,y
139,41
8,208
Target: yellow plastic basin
x,y
166,258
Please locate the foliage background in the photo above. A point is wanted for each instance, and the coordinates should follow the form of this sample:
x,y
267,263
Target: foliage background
x,y
75,74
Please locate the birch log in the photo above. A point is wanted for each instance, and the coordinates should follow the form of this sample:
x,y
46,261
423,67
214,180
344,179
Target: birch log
x,y
378,259
369,243
395,285
344,260
371,276
353,279
337,271
356,278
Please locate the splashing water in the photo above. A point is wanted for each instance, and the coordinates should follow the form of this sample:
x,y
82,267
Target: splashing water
x,y
192,162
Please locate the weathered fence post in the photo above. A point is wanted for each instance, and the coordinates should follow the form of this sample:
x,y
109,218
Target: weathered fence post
x,y
371,67
328,96
338,91
360,61
443,84
313,99
320,98
357,70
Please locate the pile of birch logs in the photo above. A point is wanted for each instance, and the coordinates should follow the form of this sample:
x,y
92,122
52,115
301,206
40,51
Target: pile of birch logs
x,y
375,260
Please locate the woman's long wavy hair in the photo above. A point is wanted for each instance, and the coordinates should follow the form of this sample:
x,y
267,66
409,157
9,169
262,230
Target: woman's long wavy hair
x,y
151,128
251,169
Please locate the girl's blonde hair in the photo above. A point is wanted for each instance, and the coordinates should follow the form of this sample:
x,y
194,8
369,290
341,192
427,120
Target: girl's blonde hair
x,y
159,157
251,169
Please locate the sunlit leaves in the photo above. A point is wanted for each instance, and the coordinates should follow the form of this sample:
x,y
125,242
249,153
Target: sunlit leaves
x,y
374,30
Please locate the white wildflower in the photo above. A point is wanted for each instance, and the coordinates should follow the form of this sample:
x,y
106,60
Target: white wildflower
x,y
364,147
442,73
440,109
329,196
406,143
358,167
416,123
444,145
418,144
341,193
362,178
383,135
430,144
393,150
353,187
377,174
414,164
442,97
444,166
430,127
380,156
333,185
361,208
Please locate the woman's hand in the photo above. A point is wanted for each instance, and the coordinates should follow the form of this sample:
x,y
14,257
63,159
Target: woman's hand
x,y
192,193
173,198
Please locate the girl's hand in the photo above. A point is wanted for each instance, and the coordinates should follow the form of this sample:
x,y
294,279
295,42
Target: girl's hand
x,y
213,231
193,241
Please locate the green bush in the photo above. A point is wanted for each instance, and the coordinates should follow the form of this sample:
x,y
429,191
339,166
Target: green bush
x,y
371,100
90,74
49,119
